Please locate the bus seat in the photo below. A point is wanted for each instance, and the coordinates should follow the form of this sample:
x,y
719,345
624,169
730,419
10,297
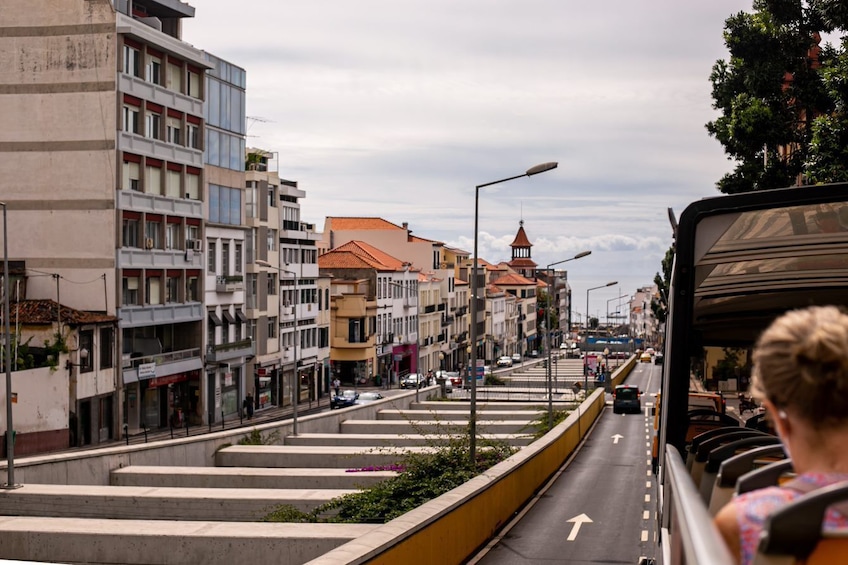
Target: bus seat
x,y
693,446
708,445
793,534
703,419
724,452
768,476
733,468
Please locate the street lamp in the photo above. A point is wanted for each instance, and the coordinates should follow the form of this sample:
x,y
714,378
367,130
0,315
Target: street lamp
x,y
585,369
548,333
10,430
296,387
473,411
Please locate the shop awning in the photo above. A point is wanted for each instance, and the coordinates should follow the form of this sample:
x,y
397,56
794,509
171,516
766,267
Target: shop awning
x,y
214,319
228,317
241,317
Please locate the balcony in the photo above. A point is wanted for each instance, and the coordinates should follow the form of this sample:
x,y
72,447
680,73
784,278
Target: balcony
x,y
429,309
447,320
229,283
443,337
441,307
229,351
461,311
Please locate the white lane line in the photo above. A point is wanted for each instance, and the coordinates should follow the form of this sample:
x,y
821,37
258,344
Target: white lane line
x,y
648,484
644,535
649,473
647,498
646,515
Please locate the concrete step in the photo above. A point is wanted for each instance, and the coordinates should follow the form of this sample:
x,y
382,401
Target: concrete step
x,y
241,477
484,413
304,456
145,542
375,440
157,503
402,427
464,405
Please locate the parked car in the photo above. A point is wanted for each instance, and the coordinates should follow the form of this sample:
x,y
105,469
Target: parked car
x,y
658,359
533,353
414,380
626,398
516,357
367,397
505,361
645,357
344,399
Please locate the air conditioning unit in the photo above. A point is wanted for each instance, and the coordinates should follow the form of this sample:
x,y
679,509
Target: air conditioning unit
x,y
148,243
196,245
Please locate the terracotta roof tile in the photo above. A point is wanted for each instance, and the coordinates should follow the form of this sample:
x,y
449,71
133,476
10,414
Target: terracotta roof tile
x,y
522,262
521,239
513,279
38,312
347,260
363,249
361,223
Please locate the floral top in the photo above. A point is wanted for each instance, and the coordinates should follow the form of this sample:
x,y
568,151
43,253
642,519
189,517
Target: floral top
x,y
755,506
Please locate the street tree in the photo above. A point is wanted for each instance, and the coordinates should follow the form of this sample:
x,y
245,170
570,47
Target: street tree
x,y
771,90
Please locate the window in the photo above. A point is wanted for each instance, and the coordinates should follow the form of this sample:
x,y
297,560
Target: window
x,y
193,83
153,290
173,78
192,136
172,236
131,176
132,61
172,289
130,233
211,256
86,342
172,184
272,328
153,122
174,130
130,291
272,284
154,69
251,210
238,257
107,343
152,229
131,119
272,196
272,240
192,186
192,289
152,180
225,258
192,232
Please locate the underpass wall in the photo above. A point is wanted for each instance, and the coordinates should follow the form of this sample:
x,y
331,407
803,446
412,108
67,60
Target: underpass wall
x,y
92,467
452,527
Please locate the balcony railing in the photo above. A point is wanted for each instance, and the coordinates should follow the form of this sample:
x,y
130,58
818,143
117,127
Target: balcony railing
x,y
441,307
430,308
225,351
229,283
160,358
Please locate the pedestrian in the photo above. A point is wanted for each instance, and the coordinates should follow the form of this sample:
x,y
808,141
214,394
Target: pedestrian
x,y
800,374
248,406
337,384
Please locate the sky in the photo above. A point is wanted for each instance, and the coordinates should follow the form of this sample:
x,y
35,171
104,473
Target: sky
x,y
399,109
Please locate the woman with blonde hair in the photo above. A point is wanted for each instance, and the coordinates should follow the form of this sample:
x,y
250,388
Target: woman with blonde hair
x,y
800,374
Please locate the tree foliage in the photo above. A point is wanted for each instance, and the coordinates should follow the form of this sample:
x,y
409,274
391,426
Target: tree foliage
x,y
781,96
659,305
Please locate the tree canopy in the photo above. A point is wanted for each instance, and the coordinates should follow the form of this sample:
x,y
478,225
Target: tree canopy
x,y
782,95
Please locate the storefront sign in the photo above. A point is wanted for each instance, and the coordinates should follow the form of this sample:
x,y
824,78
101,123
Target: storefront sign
x,y
168,379
146,371
228,379
261,372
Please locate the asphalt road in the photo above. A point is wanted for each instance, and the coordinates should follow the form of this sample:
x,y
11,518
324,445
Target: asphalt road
x,y
601,507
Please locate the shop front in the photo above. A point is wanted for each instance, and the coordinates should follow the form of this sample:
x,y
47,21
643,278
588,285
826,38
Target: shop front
x,y
263,384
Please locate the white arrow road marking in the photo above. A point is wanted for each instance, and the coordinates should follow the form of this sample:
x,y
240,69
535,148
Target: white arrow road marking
x,y
577,521
617,437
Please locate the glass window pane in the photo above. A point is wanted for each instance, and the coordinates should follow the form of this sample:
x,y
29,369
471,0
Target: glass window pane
x,y
214,216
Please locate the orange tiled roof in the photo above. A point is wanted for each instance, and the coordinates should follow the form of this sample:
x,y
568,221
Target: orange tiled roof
x,y
419,239
513,279
521,238
367,250
459,281
361,223
522,262
38,312
540,283
348,260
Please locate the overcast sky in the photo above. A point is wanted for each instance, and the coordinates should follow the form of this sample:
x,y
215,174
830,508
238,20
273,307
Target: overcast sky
x,y
400,108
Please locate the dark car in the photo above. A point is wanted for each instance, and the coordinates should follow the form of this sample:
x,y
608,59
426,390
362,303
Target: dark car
x,y
343,400
658,359
626,398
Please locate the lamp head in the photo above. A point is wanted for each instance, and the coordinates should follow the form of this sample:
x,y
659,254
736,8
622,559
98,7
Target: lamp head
x,y
541,168
582,254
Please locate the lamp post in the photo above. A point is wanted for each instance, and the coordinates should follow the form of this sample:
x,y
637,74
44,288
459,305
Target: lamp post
x,y
296,387
611,300
473,410
548,333
585,369
10,433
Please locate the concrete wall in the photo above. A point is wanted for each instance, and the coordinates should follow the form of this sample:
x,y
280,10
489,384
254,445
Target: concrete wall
x,y
92,467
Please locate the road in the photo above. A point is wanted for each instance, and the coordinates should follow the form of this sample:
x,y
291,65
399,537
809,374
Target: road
x,y
600,508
